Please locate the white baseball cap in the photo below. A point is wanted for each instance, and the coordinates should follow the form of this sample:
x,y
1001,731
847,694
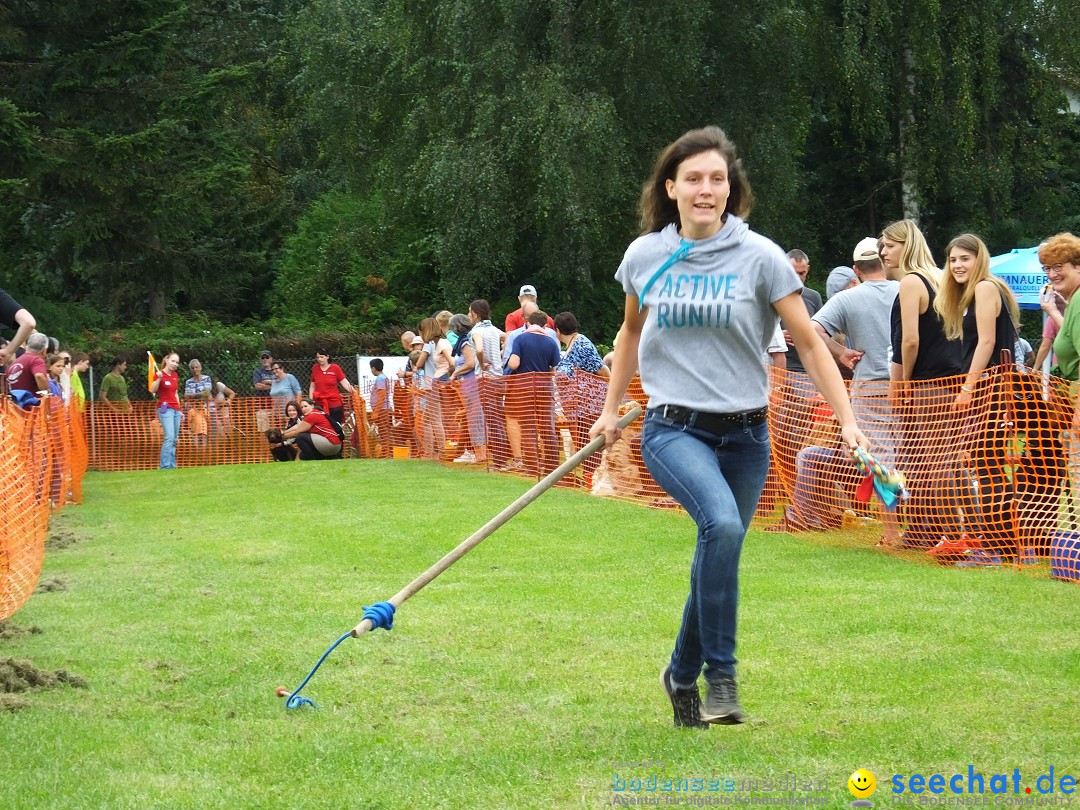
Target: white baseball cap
x,y
866,250
527,289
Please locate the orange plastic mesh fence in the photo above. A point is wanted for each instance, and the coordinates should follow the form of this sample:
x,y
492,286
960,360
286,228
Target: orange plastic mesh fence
x,y
996,477
42,462
129,438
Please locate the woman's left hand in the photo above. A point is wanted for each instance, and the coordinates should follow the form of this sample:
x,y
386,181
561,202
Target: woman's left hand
x,y
962,401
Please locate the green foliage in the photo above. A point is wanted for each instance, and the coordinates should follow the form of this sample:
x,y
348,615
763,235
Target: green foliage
x,y
346,265
354,164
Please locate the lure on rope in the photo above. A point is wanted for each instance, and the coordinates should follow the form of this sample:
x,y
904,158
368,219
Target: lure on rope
x,y
381,614
888,484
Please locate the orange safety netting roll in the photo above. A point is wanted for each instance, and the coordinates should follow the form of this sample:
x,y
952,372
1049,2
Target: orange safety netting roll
x,y
42,462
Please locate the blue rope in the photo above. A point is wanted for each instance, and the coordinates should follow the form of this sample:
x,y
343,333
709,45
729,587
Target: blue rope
x,y
381,615
677,256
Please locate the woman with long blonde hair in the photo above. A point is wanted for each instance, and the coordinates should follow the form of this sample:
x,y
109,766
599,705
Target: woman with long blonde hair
x,y
923,360
976,308
920,347
981,311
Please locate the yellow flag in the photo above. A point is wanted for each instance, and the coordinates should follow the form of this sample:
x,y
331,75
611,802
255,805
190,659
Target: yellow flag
x,y
151,370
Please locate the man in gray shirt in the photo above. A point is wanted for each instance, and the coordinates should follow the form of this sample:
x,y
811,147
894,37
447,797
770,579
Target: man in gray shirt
x,y
862,313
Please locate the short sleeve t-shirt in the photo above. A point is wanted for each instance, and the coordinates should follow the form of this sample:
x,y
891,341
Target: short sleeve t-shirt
x,y
1067,342
863,315
320,426
8,309
379,393
326,384
167,390
537,352
20,373
114,388
710,315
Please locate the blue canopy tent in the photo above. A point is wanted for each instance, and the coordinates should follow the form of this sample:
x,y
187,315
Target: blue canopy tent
x,y
1022,271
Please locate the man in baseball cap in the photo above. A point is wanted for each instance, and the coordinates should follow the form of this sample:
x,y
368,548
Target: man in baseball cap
x,y
863,314
516,320
866,250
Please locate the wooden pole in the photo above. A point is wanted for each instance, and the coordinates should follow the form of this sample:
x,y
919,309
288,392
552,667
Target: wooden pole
x,y
489,528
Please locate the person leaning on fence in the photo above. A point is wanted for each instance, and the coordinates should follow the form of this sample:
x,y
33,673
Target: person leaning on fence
x,y
198,397
980,310
465,377
316,437
705,438
28,371
165,386
925,365
487,340
532,362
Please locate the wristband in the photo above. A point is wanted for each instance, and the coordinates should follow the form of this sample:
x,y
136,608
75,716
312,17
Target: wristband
x,y
967,390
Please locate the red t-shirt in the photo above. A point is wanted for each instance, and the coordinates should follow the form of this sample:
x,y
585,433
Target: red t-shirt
x,y
515,320
326,385
21,372
167,388
321,426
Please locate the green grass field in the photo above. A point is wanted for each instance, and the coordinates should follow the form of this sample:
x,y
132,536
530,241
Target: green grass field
x,y
517,678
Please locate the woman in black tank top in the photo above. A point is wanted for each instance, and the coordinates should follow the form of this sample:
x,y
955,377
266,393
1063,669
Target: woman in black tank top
x,y
977,308
925,370
982,311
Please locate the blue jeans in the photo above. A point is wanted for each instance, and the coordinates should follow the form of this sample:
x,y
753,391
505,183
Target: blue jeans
x,y
718,480
170,422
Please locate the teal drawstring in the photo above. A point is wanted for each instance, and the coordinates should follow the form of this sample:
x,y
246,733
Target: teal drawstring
x,y
677,256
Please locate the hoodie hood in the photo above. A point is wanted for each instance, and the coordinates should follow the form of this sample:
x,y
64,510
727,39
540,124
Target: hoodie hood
x,y
730,235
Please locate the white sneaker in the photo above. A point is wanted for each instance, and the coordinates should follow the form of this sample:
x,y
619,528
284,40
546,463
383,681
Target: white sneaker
x,y
468,457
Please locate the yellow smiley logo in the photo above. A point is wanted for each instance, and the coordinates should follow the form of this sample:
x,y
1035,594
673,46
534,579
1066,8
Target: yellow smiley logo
x,y
862,784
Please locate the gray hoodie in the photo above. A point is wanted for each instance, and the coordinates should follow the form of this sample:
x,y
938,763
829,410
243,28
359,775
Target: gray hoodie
x,y
710,315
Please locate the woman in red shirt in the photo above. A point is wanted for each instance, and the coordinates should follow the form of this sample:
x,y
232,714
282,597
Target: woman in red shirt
x,y
314,434
325,379
165,385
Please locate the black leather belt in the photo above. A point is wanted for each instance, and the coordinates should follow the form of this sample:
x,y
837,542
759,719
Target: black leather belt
x,y
713,422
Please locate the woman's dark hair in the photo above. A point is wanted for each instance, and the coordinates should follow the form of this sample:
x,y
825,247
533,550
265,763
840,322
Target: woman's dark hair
x,y
482,309
658,210
566,323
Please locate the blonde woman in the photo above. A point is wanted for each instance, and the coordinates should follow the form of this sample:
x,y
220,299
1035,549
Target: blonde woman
x,y
981,311
924,360
976,308
920,348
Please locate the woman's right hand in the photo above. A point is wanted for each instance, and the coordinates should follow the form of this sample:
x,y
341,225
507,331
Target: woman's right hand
x,y
607,425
